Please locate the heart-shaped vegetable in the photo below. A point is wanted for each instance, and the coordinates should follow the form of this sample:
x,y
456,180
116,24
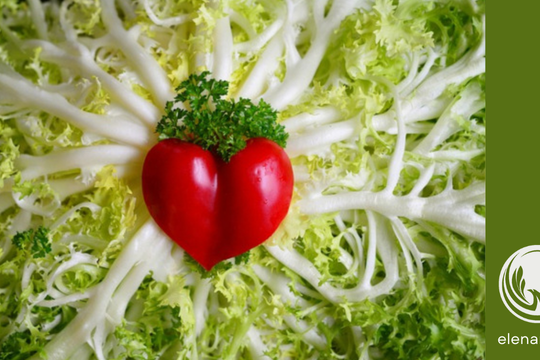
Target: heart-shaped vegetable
x,y
216,210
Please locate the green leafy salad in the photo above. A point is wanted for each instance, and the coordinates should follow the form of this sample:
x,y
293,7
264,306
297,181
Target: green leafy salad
x,y
382,253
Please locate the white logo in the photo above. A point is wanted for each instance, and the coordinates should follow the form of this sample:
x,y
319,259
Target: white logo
x,y
519,284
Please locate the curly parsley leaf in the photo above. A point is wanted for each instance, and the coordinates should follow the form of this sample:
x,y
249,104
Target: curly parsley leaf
x,y
214,123
219,268
37,241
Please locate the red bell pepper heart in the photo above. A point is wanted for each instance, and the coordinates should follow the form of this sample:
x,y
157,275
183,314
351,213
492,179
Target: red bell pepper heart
x,y
212,209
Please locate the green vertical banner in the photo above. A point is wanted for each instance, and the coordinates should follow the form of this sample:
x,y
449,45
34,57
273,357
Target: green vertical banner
x,y
513,250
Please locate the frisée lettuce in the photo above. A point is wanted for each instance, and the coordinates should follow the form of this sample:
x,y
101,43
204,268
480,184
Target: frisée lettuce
x,y
382,254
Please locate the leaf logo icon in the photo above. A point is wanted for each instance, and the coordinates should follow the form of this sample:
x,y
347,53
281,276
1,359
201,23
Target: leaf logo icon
x,y
519,299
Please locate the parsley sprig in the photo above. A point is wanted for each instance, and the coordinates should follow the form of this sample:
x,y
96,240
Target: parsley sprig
x,y
215,123
36,241
219,268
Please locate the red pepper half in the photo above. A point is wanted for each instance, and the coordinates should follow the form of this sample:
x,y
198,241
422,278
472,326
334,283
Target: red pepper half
x,y
216,210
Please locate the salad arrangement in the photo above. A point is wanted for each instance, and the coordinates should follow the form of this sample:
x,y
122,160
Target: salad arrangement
x,y
220,184
382,252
